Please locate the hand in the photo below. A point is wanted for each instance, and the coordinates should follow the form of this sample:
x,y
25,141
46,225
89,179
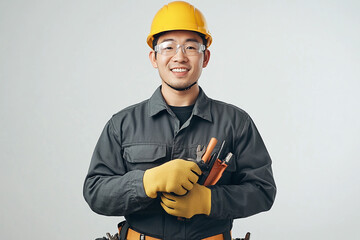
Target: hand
x,y
177,176
197,201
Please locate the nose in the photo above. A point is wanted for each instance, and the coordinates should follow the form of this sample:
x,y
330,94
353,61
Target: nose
x,y
180,56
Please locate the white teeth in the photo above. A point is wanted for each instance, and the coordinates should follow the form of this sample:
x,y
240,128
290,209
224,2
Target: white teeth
x,y
179,70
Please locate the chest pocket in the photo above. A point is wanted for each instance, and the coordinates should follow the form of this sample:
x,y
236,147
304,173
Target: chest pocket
x,y
144,156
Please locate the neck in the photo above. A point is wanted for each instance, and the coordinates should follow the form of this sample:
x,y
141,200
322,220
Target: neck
x,y
180,98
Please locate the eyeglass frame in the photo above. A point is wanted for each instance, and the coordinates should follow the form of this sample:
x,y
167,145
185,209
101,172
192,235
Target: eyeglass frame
x,y
202,48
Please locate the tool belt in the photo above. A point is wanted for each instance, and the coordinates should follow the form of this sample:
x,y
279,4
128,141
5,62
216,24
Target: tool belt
x,y
126,233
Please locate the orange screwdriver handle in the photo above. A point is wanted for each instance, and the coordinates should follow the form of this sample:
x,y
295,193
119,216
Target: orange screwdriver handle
x,y
210,147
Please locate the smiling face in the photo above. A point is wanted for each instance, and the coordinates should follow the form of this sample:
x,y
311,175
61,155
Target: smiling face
x,y
180,70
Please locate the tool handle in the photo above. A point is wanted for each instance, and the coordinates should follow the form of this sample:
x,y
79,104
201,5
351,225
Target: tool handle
x,y
215,173
210,147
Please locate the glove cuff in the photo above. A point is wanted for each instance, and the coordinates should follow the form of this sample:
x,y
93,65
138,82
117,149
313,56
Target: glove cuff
x,y
149,184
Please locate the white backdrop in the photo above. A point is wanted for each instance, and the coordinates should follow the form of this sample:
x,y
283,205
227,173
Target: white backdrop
x,y
67,66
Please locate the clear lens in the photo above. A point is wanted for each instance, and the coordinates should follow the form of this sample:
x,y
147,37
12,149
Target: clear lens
x,y
170,48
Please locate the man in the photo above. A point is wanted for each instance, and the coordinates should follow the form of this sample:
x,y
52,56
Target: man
x,y
140,168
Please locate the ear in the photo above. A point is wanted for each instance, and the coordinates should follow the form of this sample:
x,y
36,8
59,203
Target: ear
x,y
206,58
153,59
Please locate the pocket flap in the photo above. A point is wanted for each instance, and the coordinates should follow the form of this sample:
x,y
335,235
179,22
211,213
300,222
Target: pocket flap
x,y
143,153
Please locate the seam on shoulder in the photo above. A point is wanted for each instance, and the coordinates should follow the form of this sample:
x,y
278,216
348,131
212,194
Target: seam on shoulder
x,y
247,121
115,131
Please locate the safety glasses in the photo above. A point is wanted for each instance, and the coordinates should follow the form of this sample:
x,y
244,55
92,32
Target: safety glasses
x,y
170,48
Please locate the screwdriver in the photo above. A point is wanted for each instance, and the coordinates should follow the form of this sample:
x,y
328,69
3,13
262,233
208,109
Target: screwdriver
x,y
210,147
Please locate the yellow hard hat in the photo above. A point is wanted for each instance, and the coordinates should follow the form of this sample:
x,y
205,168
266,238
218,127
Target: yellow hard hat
x,y
179,15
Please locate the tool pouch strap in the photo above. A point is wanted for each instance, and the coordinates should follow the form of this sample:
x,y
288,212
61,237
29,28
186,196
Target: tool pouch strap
x,y
123,229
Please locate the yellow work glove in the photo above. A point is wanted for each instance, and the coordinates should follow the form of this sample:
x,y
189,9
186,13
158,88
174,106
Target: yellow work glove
x,y
176,176
197,201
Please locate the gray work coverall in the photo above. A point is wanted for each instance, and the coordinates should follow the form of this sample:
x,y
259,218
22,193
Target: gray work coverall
x,y
148,134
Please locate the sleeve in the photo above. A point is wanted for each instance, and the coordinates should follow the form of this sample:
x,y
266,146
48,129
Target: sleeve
x,y
108,188
252,189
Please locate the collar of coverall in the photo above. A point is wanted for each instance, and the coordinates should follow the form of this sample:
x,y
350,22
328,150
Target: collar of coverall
x,y
201,108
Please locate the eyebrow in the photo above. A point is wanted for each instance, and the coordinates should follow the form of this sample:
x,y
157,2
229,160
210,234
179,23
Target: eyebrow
x,y
173,40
